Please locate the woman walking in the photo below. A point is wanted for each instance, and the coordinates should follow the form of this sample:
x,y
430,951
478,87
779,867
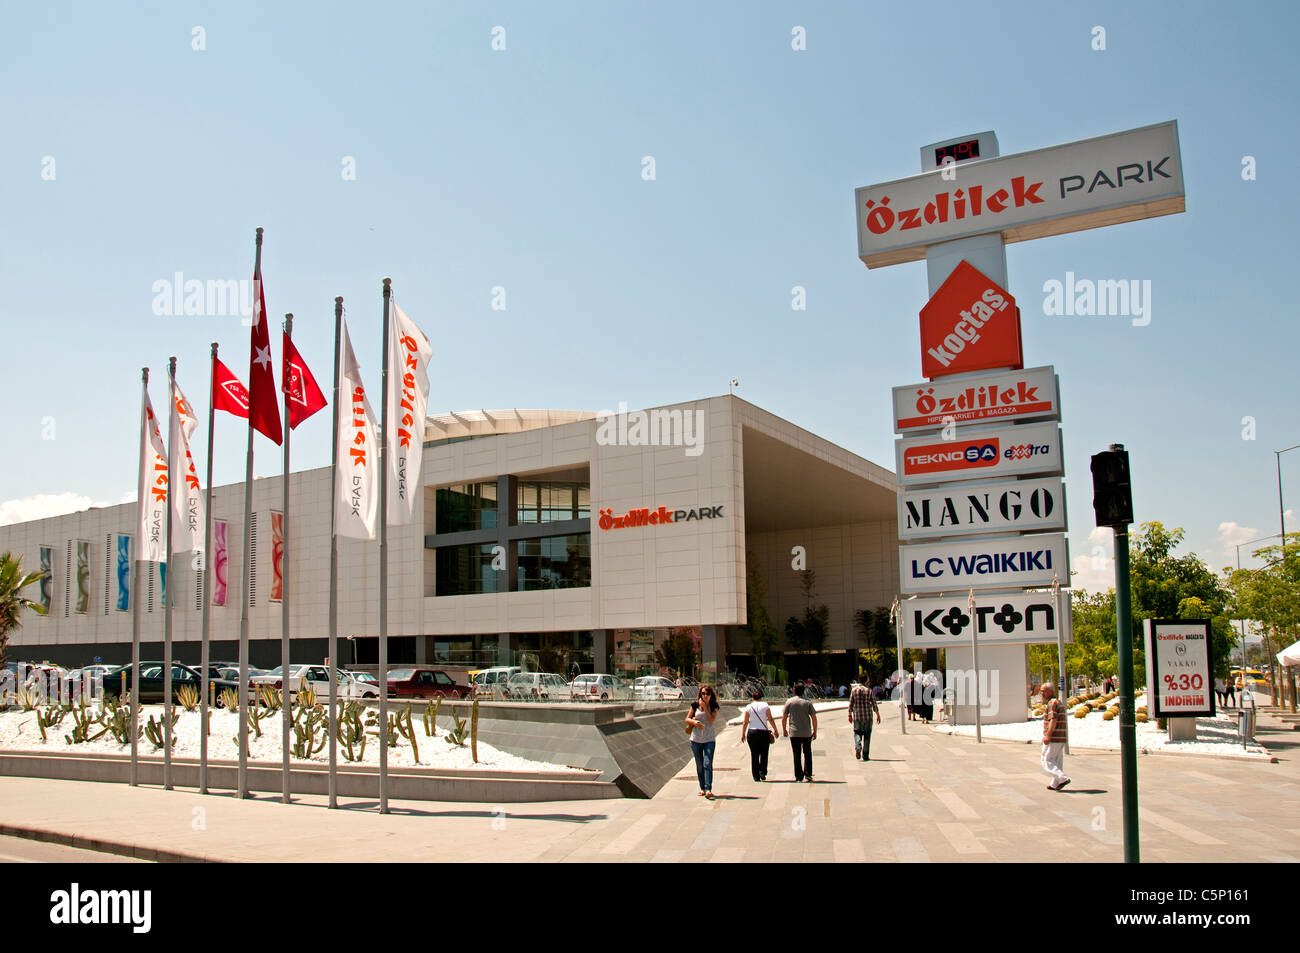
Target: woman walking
x,y
704,736
759,729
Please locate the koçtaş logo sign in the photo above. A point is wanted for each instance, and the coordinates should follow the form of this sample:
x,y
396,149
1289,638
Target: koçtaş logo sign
x,y
1031,448
1004,395
1018,561
1020,617
646,516
1103,181
971,324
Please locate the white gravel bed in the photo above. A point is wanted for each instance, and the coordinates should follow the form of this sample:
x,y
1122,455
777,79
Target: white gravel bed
x,y
1217,736
20,732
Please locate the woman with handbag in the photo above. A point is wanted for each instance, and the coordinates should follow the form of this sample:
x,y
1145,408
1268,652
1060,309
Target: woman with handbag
x,y
759,729
699,725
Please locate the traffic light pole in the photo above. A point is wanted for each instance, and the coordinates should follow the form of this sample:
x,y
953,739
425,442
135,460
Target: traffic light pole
x,y
1127,722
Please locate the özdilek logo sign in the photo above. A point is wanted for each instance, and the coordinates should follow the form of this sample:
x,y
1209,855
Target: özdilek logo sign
x,y
647,516
102,907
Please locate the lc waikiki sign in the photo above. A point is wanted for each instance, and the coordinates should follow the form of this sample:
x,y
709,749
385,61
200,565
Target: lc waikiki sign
x,y
1111,179
987,564
1030,394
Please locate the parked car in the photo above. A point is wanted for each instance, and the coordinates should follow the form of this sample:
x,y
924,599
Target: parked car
x,y
151,682
541,686
656,688
317,678
490,682
599,687
424,683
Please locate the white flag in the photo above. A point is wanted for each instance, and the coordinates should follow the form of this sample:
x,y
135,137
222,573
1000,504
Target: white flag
x,y
356,489
408,396
151,494
187,500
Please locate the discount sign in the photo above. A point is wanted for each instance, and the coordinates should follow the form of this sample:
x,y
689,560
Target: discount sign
x,y
1180,667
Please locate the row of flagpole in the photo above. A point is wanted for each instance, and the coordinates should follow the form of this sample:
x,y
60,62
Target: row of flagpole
x,y
355,509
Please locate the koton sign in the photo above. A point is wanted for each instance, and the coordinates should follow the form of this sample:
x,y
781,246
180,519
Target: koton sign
x,y
1180,667
1003,507
1022,617
971,324
986,564
978,454
1117,178
1029,394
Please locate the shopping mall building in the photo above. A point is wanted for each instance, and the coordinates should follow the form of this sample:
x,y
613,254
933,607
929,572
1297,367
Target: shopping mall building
x,y
557,538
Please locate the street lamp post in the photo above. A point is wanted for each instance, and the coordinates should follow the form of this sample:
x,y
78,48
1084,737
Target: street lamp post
x,y
1243,621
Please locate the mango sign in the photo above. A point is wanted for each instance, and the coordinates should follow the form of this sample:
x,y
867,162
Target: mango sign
x,y
971,324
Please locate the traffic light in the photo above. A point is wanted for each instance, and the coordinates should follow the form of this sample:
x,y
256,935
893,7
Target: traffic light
x,y
1112,498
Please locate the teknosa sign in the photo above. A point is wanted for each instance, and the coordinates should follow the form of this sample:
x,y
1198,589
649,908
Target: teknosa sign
x,y
985,564
1021,617
1111,179
978,454
1002,507
1029,394
971,324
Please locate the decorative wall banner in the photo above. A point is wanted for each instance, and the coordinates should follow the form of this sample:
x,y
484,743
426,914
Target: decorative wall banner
x,y
978,454
996,397
162,581
1002,507
984,564
82,604
123,572
219,560
47,581
1009,618
1106,180
1180,667
277,556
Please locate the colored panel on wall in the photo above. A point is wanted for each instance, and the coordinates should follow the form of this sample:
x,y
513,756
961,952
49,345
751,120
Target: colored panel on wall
x,y
219,560
277,556
83,576
47,581
123,572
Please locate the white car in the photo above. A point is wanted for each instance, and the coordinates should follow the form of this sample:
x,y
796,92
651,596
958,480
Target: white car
x,y
537,685
318,680
491,682
599,688
656,688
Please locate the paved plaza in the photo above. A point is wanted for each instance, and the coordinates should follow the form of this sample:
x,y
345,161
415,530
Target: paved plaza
x,y
922,797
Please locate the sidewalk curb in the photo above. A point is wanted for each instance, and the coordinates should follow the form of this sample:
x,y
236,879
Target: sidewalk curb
x,y
1269,757
104,846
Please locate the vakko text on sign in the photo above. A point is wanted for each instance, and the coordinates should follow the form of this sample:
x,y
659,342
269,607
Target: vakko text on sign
x,y
1021,617
978,454
983,564
1028,394
1002,507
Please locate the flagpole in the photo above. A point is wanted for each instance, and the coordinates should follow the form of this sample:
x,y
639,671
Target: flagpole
x,y
204,655
383,565
334,567
286,706
173,429
135,590
247,560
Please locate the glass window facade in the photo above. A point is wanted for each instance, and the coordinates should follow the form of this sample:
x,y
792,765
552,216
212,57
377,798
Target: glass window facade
x,y
554,562
546,501
465,507
466,570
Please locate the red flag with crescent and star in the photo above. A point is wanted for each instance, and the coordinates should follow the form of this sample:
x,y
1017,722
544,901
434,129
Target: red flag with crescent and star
x,y
263,409
305,397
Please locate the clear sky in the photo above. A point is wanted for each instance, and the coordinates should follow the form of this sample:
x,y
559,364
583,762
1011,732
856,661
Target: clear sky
x,y
521,169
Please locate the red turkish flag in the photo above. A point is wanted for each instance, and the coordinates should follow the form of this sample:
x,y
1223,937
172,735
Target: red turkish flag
x,y
228,393
305,397
263,410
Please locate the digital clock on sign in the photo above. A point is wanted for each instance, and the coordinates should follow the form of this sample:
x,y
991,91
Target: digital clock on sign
x,y
957,151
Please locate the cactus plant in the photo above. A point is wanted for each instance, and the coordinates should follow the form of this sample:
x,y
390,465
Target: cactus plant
x,y
400,724
457,734
49,718
230,699
82,724
269,697
255,716
473,730
307,742
155,730
351,732
29,699
431,719
306,696
115,722
188,697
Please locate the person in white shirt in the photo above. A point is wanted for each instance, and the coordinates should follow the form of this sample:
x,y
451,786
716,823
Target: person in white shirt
x,y
759,729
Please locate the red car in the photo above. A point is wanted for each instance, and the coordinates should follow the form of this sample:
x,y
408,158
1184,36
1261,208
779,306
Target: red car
x,y
424,683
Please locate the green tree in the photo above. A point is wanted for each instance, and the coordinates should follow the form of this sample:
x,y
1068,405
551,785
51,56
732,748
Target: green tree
x,y
759,626
809,633
1270,596
876,631
677,652
12,602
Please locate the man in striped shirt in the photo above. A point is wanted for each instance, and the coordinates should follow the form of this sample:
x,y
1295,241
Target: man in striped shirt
x,y
1055,735
862,705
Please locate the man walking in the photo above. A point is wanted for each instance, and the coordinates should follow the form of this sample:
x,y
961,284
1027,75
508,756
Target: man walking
x,y
799,724
1055,735
862,705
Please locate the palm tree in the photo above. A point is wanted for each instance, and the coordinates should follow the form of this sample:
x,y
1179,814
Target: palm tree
x,y
12,603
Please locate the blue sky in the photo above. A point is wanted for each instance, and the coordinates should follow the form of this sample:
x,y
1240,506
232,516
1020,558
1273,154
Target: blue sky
x,y
521,169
